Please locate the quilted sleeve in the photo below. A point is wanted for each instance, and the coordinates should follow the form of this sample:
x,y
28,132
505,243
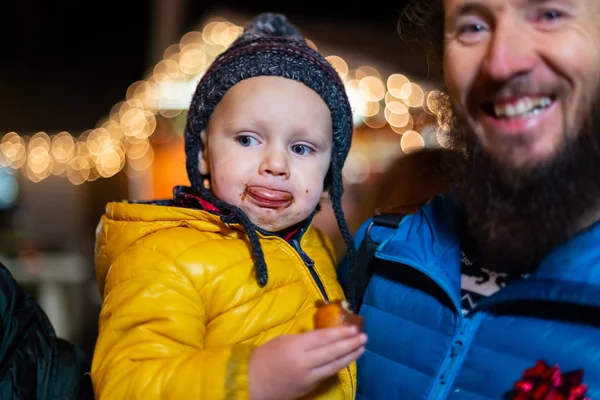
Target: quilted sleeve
x,y
151,336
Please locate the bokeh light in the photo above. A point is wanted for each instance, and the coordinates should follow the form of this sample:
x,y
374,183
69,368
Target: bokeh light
x,y
122,138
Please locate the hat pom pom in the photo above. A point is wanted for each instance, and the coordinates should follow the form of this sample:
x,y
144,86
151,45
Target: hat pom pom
x,y
273,25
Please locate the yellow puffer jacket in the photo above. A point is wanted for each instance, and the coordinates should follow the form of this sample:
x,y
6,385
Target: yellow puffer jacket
x,y
182,310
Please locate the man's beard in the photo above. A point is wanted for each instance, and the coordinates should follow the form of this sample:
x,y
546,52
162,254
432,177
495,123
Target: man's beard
x,y
514,217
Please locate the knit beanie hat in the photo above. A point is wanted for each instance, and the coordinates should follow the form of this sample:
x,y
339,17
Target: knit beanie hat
x,y
271,46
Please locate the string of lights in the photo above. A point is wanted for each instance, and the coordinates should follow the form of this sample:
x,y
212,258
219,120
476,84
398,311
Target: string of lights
x,y
122,139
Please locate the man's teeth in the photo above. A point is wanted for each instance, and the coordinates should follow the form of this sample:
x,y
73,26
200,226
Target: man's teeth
x,y
522,107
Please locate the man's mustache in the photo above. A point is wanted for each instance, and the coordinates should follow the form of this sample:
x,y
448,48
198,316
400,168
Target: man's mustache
x,y
523,85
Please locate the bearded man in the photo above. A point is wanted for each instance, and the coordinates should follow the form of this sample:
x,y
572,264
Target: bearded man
x,y
491,290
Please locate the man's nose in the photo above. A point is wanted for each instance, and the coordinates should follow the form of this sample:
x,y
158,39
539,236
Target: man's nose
x,y
511,52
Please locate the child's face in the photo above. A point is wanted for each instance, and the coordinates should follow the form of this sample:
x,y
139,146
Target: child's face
x,y
268,150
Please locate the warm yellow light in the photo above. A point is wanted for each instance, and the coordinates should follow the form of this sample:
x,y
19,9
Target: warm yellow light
x,y
367,70
123,136
395,82
371,88
411,141
339,65
412,94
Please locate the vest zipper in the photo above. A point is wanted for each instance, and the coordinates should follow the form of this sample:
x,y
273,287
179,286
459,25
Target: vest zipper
x,y
310,264
460,345
461,340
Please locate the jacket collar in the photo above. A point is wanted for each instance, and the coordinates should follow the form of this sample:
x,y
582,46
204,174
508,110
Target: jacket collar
x,y
187,197
429,241
577,260
569,274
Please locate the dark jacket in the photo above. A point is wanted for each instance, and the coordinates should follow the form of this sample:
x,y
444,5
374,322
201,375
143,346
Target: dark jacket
x,y
34,363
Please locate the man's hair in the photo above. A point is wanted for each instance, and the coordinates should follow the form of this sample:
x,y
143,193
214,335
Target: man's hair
x,y
422,21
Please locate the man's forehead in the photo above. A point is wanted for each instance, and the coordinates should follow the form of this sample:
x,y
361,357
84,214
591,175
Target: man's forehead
x,y
581,8
498,3
461,6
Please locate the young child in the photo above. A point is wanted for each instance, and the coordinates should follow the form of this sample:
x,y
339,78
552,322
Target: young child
x,y
212,295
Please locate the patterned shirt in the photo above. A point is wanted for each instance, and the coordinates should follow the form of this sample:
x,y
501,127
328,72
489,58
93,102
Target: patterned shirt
x,y
478,282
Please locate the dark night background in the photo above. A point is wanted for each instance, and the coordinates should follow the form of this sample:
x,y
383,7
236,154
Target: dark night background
x,y
64,63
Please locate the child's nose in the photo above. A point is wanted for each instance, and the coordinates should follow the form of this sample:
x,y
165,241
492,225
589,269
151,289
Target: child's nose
x,y
275,163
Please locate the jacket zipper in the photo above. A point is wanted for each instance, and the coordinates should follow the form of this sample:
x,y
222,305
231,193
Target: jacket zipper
x,y
461,340
310,264
460,345
295,243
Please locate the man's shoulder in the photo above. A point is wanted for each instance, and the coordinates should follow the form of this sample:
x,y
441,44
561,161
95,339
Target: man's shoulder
x,y
440,211
429,230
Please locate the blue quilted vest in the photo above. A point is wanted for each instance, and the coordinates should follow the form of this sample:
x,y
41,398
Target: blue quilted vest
x,y
422,347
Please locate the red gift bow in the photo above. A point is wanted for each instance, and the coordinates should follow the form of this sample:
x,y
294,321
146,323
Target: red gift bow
x,y
543,382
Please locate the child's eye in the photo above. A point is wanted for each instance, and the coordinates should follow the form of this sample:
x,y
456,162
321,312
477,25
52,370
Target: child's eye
x,y
247,141
301,149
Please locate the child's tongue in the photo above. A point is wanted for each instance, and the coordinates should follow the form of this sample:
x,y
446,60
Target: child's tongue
x,y
271,195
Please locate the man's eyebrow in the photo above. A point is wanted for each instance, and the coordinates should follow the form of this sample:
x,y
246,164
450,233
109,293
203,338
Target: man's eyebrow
x,y
563,3
538,2
470,7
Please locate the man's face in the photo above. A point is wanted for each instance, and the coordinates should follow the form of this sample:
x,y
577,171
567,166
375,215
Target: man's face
x,y
522,73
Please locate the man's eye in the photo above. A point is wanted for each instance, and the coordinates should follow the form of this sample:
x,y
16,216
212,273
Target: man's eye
x,y
550,15
473,28
471,31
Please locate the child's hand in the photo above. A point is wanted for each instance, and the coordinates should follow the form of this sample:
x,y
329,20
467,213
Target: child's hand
x,y
290,366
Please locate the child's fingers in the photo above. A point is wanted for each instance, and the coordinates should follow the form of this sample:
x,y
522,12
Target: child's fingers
x,y
332,368
333,351
323,337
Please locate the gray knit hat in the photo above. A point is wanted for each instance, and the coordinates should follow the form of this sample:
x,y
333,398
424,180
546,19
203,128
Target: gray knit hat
x,y
271,46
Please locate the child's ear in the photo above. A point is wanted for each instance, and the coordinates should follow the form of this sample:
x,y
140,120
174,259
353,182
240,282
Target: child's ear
x,y
203,162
